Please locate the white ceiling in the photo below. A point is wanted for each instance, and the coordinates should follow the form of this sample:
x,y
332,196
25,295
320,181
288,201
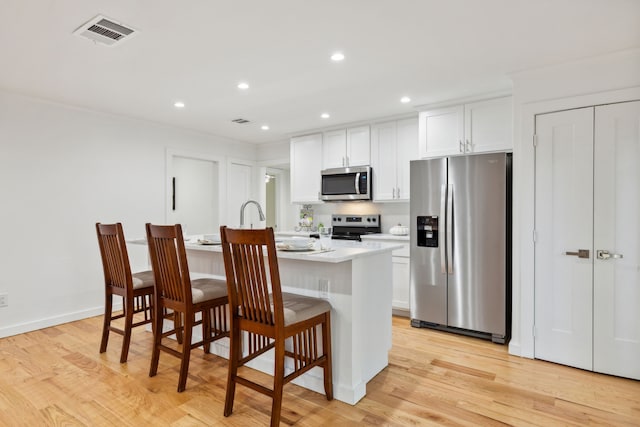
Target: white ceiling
x,y
198,50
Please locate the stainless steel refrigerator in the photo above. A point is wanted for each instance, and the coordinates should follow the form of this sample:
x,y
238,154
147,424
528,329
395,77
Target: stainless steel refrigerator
x,y
461,244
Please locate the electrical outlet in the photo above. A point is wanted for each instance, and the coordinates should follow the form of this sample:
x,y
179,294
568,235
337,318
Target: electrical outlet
x,y
4,300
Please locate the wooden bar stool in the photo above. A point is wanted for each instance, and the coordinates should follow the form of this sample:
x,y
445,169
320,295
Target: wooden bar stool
x,y
174,290
270,318
135,289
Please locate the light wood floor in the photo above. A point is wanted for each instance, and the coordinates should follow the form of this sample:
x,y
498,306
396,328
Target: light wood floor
x,y
56,376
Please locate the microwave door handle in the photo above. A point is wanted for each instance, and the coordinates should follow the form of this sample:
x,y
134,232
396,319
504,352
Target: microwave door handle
x,y
357,182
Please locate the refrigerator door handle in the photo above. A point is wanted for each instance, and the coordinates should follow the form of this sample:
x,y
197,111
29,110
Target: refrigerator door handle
x,y
443,206
449,222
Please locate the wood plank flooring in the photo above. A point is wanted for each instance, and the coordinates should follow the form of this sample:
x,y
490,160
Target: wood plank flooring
x,y
56,376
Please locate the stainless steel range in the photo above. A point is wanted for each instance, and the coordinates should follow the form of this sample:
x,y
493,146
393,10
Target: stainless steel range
x,y
351,227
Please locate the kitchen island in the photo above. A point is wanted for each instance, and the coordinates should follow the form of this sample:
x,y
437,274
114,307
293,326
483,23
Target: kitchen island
x,y
356,278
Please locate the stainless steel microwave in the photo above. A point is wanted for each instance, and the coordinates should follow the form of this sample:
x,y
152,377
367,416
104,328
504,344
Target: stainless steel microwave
x,y
352,183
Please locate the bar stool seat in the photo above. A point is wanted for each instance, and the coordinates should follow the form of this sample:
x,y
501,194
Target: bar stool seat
x,y
142,279
298,308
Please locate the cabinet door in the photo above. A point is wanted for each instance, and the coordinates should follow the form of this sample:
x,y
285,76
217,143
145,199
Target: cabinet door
x,y
406,150
358,146
488,125
401,278
305,168
441,132
334,149
383,161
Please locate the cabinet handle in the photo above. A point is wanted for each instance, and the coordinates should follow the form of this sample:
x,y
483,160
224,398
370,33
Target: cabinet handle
x,y
398,192
461,147
468,146
393,193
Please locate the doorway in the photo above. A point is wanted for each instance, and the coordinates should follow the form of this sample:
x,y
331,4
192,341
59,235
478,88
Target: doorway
x,y
276,197
587,238
271,206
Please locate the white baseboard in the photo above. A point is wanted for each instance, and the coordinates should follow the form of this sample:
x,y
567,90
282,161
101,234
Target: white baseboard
x,y
34,325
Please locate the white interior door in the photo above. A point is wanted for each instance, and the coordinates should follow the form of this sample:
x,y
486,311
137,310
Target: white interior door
x,y
195,193
239,180
564,224
617,231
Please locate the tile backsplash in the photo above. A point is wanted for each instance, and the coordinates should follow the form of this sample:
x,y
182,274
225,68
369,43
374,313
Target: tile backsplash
x,y
390,213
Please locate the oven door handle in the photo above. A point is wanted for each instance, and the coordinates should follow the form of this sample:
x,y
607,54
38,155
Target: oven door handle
x,y
356,183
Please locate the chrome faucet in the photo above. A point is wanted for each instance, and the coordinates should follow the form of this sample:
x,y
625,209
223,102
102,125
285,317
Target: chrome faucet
x,y
260,213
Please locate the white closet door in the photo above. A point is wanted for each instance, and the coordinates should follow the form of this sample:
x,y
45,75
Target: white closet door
x,y
195,190
617,230
239,183
564,223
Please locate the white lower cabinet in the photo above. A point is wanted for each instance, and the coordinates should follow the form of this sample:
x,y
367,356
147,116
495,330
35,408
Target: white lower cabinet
x,y
400,283
401,272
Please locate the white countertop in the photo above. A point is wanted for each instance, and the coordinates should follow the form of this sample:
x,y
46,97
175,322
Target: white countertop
x,y
341,251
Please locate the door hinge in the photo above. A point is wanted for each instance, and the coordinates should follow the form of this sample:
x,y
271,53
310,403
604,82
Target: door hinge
x,y
535,140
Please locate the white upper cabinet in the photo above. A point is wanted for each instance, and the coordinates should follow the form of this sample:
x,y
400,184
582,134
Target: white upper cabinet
x,y
306,152
393,145
334,149
407,150
358,146
488,125
441,131
346,147
470,128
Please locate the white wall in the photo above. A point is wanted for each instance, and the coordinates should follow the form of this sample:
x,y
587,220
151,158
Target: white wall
x,y
610,78
62,169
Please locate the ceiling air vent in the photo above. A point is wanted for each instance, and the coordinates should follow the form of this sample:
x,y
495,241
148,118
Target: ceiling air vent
x,y
240,121
105,31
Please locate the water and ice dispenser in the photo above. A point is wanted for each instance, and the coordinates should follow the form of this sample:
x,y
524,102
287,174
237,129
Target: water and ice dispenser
x,y
427,229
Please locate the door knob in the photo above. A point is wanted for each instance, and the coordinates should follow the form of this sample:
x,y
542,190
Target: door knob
x,y
602,254
581,253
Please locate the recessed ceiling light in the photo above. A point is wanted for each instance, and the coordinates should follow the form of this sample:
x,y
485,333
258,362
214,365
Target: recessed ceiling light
x,y
264,127
337,57
178,104
405,99
325,115
243,85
